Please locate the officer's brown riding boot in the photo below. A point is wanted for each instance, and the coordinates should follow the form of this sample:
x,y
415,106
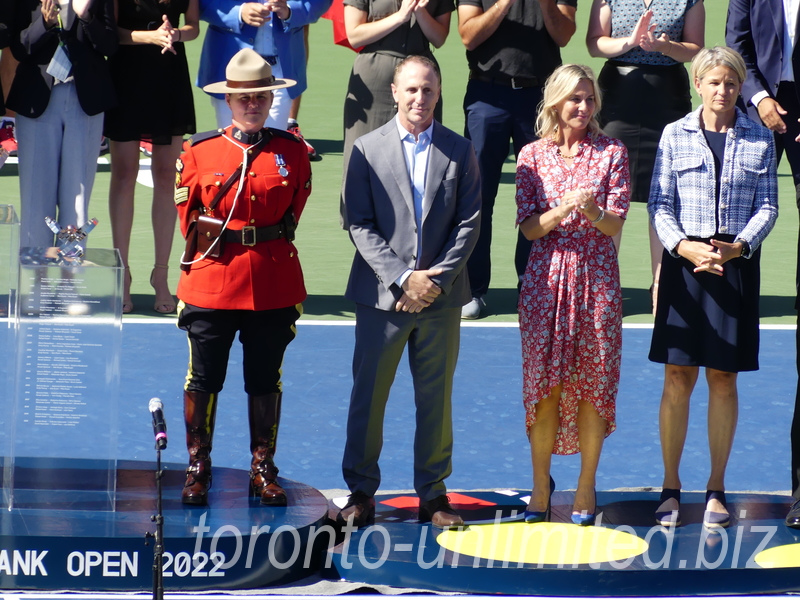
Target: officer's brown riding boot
x,y
265,415
199,412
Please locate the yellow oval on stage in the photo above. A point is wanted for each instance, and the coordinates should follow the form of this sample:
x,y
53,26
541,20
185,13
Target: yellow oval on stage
x,y
543,543
787,555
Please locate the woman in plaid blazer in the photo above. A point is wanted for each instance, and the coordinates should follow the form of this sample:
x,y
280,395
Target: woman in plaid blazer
x,y
713,200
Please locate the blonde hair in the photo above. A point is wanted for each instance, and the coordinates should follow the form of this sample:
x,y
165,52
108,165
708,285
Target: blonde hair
x,y
558,87
718,56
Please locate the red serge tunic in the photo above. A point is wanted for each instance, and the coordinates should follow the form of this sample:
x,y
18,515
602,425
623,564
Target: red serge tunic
x,y
264,276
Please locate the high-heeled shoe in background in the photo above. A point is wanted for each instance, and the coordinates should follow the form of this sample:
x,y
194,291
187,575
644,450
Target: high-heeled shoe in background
x,y
165,303
538,516
127,303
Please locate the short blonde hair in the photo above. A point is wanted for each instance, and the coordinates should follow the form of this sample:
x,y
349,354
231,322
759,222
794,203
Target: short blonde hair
x,y
718,56
558,87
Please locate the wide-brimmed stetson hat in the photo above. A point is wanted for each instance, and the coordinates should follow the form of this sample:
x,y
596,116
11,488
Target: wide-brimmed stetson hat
x,y
247,72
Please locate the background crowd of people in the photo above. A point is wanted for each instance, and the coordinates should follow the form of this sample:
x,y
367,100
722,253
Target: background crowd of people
x,y
85,75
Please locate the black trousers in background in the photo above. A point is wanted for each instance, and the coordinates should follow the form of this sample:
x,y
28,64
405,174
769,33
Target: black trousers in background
x,y
495,115
264,335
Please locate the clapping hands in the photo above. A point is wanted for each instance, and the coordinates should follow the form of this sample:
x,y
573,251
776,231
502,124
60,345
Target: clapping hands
x,y
50,10
408,7
584,201
643,35
257,14
579,200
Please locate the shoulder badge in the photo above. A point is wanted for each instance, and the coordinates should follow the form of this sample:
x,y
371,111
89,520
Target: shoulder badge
x,y
178,171
202,137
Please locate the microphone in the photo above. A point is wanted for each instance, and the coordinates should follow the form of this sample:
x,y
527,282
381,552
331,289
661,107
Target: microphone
x,y
159,425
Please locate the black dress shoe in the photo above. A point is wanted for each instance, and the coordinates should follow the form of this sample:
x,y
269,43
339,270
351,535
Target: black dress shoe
x,y
793,518
359,510
439,512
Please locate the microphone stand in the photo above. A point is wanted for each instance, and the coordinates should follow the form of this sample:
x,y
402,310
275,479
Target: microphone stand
x,y
158,546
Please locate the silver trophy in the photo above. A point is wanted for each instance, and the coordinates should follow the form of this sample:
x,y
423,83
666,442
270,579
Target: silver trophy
x,y
70,239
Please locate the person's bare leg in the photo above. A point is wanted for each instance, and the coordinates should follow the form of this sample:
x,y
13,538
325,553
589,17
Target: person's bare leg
x,y
591,433
673,421
164,217
542,436
124,168
723,414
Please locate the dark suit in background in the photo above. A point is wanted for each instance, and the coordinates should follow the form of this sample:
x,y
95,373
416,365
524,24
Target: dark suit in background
x,y
6,13
755,29
380,210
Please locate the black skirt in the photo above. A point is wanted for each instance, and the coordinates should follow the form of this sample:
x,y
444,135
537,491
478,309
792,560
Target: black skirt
x,y
638,102
707,320
141,74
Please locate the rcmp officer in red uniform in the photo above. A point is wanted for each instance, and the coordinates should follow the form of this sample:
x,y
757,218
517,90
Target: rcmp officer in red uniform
x,y
239,192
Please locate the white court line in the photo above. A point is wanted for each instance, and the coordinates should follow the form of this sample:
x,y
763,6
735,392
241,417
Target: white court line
x,y
352,322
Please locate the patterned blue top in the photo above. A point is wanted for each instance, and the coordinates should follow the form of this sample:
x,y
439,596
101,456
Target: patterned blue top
x,y
668,17
684,184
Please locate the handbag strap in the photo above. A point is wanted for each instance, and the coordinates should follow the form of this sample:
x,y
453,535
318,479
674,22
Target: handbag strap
x,y
251,156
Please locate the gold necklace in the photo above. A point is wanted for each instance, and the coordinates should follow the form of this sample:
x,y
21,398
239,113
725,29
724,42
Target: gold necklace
x,y
566,156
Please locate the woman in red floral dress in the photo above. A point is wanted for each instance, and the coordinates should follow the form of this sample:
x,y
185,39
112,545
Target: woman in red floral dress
x,y
572,197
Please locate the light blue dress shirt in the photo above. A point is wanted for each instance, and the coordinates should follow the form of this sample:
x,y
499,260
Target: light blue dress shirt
x,y
416,152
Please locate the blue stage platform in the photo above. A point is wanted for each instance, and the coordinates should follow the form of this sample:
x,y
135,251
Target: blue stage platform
x,y
625,554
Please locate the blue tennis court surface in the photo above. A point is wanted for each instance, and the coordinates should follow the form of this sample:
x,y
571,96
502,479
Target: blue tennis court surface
x,y
491,449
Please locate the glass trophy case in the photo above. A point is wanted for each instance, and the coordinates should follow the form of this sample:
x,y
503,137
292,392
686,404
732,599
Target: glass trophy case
x,y
67,340
9,244
9,251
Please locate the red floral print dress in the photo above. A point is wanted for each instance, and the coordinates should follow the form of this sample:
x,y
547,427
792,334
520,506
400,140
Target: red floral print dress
x,y
570,303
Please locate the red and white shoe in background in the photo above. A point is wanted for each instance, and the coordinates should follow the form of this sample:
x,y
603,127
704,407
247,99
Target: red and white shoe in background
x,y
294,129
146,148
8,140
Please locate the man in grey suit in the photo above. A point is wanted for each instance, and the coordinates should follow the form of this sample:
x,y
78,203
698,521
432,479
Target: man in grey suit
x,y
412,196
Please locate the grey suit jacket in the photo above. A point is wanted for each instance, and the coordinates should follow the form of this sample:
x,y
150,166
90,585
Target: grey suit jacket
x,y
380,211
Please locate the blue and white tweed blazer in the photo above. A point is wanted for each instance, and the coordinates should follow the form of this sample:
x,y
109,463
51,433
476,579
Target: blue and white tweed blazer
x,y
683,189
